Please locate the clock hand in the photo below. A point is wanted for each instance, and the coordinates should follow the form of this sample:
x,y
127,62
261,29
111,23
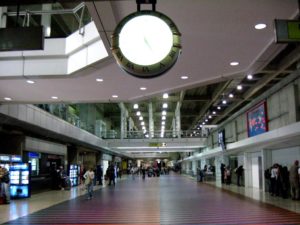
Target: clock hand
x,y
147,43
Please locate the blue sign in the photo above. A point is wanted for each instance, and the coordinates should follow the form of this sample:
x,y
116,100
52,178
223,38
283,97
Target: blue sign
x,y
33,155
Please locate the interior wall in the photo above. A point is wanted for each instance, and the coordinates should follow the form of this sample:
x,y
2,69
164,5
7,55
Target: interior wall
x,y
286,156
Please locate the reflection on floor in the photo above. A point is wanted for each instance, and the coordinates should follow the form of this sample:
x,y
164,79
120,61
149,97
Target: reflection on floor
x,y
170,199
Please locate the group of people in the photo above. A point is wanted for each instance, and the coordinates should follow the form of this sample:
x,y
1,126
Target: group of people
x,y
4,185
283,182
226,174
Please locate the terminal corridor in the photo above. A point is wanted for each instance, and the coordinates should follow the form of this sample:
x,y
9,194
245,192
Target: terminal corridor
x,y
171,199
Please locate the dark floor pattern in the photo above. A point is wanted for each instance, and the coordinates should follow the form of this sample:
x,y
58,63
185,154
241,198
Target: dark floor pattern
x,y
171,199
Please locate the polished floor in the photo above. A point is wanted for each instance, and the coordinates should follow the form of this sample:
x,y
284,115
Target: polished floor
x,y
170,199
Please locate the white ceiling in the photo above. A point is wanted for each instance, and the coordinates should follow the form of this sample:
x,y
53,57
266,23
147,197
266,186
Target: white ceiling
x,y
214,33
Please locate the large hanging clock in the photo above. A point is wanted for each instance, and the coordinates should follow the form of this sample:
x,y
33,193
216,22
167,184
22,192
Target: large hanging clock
x,y
146,44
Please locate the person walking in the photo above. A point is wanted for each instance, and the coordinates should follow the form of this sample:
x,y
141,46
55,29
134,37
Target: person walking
x,y
4,181
89,177
294,180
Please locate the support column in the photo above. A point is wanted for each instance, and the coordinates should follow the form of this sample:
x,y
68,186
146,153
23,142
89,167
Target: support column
x,y
194,167
266,163
247,169
2,17
218,161
178,121
151,122
124,114
46,20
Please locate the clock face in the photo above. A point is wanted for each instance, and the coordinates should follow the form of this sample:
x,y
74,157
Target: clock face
x,y
145,40
146,44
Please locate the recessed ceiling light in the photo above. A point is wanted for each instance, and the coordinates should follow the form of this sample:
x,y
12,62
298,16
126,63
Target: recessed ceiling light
x,y
99,80
239,87
224,102
143,88
163,123
249,77
234,63
214,112
115,96
144,128
138,113
206,120
30,81
164,113
219,107
7,99
143,123
209,116
201,126
140,118
184,77
165,105
163,118
162,127
54,97
165,95
135,106
260,26
203,123
231,95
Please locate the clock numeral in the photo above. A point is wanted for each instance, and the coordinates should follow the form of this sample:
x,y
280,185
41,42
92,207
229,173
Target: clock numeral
x,y
161,65
130,65
120,56
172,27
145,69
172,54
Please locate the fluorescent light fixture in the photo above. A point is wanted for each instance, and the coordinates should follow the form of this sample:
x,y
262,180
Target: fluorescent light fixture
x,y
54,97
99,80
165,95
260,26
234,63
138,113
239,87
143,88
165,105
249,76
30,81
7,98
135,106
184,77
164,113
115,96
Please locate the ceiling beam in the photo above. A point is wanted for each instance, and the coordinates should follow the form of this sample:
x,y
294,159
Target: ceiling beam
x,y
286,63
217,93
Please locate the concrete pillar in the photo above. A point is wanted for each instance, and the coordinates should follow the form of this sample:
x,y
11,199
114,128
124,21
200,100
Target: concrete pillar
x,y
218,161
46,20
247,169
2,17
124,115
194,167
151,121
178,121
